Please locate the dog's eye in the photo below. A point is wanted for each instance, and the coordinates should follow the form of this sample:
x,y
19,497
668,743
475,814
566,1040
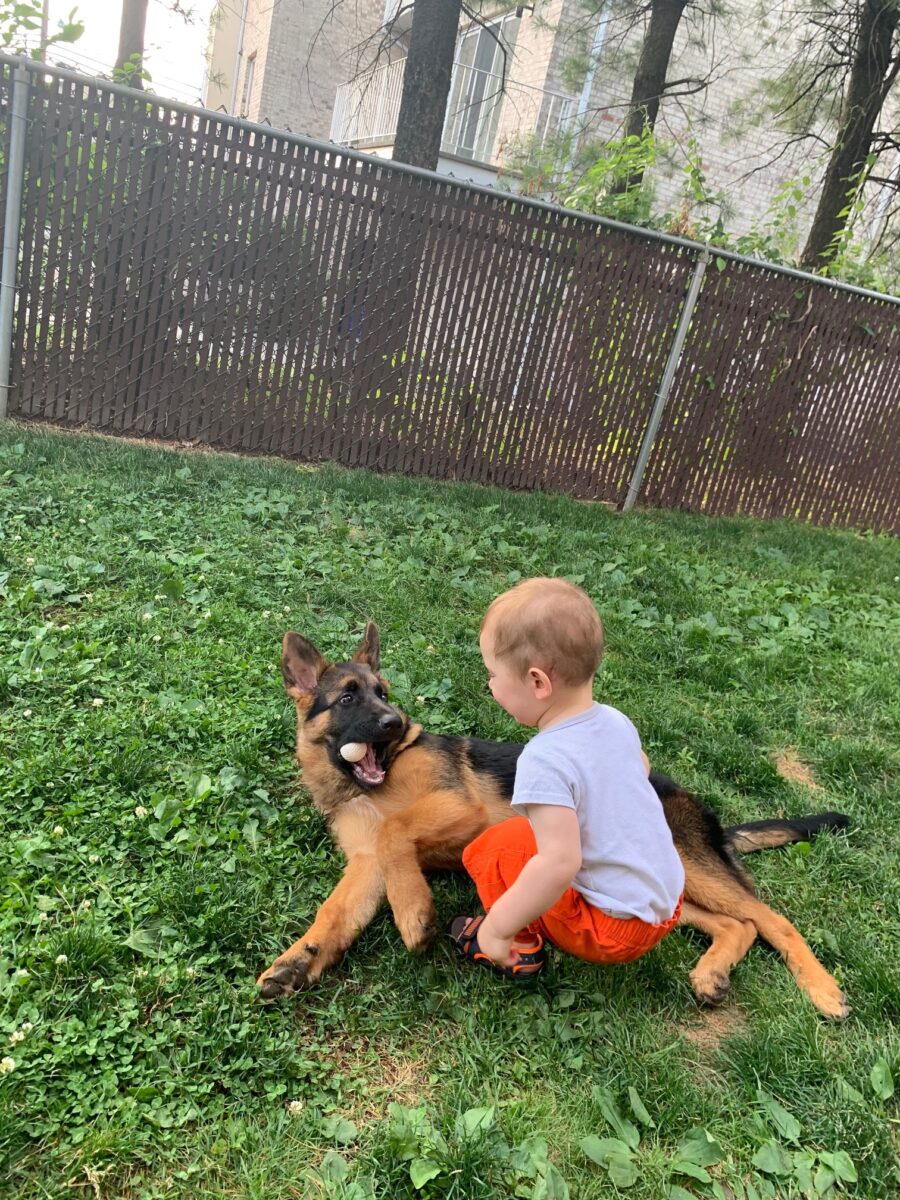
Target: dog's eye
x,y
347,698
381,693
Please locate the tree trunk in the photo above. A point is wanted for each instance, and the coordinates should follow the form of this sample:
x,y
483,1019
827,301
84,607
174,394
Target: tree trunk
x,y
650,77
130,59
872,62
426,82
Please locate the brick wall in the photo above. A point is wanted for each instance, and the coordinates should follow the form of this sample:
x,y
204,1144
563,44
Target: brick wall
x,y
311,50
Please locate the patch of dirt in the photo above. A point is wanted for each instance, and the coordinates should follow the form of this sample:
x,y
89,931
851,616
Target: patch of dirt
x,y
712,1026
789,767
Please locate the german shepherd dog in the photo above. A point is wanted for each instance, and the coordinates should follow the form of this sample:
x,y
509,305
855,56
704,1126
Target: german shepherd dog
x,y
416,799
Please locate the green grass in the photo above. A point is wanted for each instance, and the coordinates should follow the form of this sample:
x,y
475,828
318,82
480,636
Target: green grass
x,y
160,584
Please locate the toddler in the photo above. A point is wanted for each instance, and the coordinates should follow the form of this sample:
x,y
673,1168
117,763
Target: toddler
x,y
589,864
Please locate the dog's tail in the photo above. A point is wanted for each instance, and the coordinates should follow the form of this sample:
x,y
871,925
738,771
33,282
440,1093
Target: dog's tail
x,y
763,835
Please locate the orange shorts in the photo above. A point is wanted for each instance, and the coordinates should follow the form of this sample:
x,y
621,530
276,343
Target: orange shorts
x,y
494,861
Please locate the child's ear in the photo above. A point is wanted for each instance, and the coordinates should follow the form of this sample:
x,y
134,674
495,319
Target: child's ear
x,y
540,682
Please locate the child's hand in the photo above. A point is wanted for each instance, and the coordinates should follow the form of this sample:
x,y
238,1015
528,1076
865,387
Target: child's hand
x,y
498,949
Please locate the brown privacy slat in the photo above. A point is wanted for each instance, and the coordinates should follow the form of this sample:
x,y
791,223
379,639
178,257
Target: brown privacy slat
x,y
187,278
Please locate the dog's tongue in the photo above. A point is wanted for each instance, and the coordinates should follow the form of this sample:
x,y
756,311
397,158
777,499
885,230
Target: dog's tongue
x,y
367,769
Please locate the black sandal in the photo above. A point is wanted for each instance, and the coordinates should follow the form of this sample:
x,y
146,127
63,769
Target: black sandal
x,y
463,933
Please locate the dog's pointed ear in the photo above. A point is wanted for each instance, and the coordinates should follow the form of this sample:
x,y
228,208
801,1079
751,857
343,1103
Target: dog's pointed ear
x,y
369,649
302,665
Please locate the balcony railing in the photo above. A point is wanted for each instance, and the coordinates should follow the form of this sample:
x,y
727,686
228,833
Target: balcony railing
x,y
485,117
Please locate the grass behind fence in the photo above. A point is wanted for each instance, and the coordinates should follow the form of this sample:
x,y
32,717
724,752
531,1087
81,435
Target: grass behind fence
x,y
157,851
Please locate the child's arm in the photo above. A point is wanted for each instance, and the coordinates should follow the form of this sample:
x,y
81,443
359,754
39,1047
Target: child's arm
x,y
543,880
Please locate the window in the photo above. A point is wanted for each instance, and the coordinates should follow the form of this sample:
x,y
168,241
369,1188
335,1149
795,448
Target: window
x,y
475,92
247,90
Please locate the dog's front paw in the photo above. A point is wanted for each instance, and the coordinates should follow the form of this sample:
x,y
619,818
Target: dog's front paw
x,y
417,925
287,974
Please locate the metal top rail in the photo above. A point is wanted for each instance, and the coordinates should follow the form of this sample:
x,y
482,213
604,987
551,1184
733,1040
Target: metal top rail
x,y
289,136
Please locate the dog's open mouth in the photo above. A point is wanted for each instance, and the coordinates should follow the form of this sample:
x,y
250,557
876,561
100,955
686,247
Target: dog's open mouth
x,y
369,770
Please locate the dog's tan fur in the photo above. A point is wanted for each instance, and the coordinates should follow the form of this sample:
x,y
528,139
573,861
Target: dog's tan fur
x,y
436,798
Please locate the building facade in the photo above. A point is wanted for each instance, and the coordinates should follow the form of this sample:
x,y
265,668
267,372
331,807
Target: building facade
x,y
524,76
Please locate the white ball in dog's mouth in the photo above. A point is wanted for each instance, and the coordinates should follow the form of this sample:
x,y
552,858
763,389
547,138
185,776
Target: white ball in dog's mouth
x,y
354,751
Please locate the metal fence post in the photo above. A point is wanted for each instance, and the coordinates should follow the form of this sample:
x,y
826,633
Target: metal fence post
x,y
15,175
668,376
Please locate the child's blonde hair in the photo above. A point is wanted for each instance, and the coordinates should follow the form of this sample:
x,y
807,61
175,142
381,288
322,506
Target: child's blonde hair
x,y
546,623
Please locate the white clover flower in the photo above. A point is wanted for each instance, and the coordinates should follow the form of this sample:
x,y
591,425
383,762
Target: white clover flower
x,y
221,641
96,702
27,712
420,699
16,1037
61,959
30,561
6,1065
207,615
20,974
58,831
140,973
159,596
190,972
42,916
286,609
157,637
82,521
38,672
295,1108
93,858
266,614
146,616
63,628
140,812
27,1027
85,906
88,595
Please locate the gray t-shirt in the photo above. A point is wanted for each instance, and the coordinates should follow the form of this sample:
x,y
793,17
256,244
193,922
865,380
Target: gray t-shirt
x,y
592,763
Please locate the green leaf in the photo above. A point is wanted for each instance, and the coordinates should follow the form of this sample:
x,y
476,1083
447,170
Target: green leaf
x,y
203,788
676,1192
721,263
773,1159
621,1125
841,1163
149,939
682,1167
622,1171
340,1130
700,1148
334,1167
786,1124
550,1185
475,1121
882,1080
421,1170
638,1109
250,832
599,1150
824,1179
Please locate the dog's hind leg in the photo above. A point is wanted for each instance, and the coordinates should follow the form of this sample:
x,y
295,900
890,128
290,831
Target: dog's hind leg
x,y
714,890
348,909
731,939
